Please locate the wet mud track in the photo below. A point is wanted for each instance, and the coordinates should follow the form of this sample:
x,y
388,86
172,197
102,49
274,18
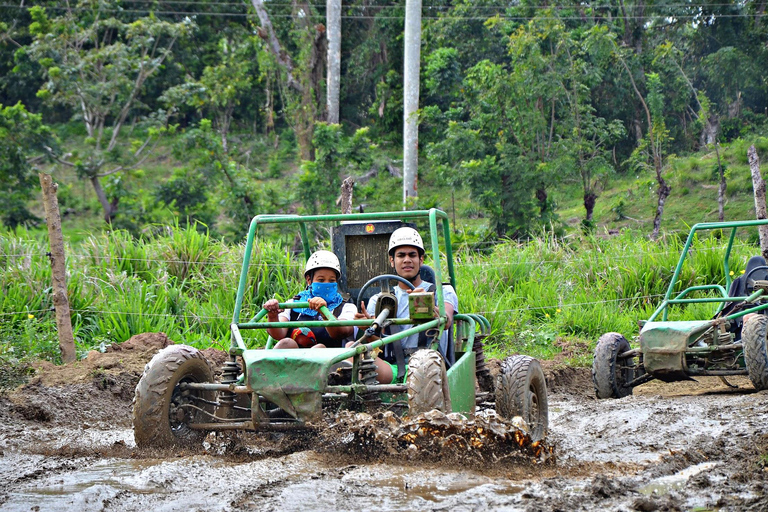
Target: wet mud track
x,y
691,446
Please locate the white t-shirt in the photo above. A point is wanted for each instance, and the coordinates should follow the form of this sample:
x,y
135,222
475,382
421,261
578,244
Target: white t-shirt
x,y
412,341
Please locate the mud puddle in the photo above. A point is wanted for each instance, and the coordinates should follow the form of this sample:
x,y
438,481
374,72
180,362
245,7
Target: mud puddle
x,y
66,443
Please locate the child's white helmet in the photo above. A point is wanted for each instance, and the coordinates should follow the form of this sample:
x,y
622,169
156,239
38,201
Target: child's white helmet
x,y
323,259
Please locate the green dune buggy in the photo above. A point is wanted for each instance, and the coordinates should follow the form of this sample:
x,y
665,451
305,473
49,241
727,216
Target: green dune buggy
x,y
730,342
178,401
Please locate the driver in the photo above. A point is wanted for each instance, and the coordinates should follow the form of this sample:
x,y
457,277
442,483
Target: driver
x,y
406,256
321,274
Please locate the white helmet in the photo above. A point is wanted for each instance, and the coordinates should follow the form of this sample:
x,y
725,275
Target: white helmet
x,y
405,236
323,259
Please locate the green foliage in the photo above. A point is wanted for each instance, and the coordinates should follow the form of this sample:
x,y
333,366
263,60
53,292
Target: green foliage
x,y
21,135
539,296
336,154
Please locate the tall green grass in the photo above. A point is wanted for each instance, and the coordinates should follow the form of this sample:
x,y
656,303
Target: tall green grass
x,y
542,297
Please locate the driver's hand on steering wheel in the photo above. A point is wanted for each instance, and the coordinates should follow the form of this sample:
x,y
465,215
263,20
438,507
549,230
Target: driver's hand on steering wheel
x,y
363,313
272,308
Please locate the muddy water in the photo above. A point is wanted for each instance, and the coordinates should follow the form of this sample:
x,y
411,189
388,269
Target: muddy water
x,y
668,447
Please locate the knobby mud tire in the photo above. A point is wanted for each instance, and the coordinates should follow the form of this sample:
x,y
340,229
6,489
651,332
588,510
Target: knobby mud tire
x,y
753,335
157,392
607,376
521,390
427,383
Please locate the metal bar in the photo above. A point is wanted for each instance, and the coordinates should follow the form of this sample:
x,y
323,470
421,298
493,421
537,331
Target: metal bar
x,y
237,340
362,388
470,331
726,265
714,348
292,305
248,425
747,311
214,386
438,268
702,227
449,252
629,353
704,300
717,287
754,296
402,215
320,323
360,349
716,373
244,271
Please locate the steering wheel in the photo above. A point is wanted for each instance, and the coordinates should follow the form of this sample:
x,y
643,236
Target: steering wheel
x,y
749,274
383,277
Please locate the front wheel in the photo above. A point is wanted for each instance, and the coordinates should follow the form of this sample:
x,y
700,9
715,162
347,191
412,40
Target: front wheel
x,y
755,352
521,390
610,374
427,383
162,412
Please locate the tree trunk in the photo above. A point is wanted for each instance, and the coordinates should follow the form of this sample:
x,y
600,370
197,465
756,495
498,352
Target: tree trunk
x,y
541,197
663,192
110,209
722,188
758,184
346,195
333,20
59,269
710,131
590,198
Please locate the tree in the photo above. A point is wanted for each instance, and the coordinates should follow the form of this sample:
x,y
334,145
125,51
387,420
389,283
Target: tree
x,y
650,153
22,134
302,75
222,87
337,154
97,65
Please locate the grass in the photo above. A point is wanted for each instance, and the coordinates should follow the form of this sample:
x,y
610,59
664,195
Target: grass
x,y
547,298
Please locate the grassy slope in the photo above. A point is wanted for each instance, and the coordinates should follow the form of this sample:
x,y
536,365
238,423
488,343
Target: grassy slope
x,y
536,304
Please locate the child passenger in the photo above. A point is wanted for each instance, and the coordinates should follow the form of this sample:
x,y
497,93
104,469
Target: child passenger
x,y
321,274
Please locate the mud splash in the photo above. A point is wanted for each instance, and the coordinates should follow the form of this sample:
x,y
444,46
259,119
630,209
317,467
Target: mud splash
x,y
434,436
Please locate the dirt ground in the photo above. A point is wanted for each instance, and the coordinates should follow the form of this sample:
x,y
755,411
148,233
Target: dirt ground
x,y
66,443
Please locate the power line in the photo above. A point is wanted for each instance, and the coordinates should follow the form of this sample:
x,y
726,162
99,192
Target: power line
x,y
193,14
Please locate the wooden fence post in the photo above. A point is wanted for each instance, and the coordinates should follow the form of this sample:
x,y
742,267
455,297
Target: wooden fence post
x,y
59,269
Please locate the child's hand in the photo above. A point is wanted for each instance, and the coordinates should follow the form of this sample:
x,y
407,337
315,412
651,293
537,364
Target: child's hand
x,y
316,303
415,290
272,308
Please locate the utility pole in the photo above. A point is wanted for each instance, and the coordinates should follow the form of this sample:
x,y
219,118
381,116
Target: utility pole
x,y
333,22
411,98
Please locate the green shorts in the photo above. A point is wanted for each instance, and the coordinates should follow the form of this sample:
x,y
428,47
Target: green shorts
x,y
394,373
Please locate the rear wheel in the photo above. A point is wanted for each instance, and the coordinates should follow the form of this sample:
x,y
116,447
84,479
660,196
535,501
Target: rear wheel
x,y
755,352
521,390
427,383
162,412
610,374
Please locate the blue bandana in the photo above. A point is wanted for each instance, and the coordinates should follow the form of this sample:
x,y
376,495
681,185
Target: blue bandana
x,y
327,291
